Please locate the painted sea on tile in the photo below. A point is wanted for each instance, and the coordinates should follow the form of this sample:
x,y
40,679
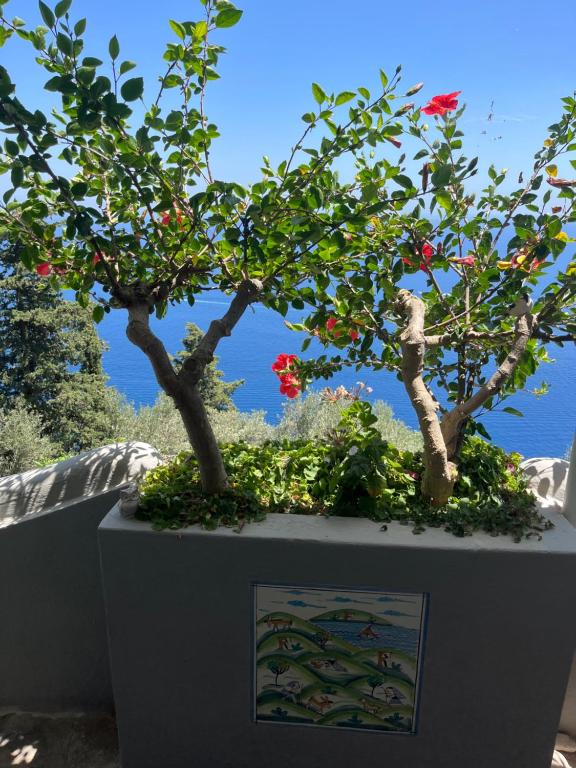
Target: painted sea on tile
x,y
337,658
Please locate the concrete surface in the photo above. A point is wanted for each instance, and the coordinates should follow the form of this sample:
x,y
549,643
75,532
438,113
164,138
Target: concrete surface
x,y
63,741
497,654
53,644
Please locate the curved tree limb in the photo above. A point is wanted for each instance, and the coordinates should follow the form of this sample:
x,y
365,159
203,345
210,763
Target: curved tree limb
x,y
439,473
454,419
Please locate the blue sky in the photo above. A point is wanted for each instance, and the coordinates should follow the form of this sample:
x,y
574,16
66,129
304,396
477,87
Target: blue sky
x,y
516,55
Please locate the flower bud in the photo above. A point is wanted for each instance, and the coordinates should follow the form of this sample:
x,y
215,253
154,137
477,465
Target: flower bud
x,y
414,89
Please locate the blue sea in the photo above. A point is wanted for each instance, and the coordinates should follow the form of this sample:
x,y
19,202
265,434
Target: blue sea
x,y
399,638
546,429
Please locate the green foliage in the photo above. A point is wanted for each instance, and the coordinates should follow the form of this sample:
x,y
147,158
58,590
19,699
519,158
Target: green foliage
x,y
216,394
354,473
314,416
51,358
23,442
309,418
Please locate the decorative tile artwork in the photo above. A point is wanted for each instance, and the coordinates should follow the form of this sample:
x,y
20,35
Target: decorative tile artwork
x,y
337,658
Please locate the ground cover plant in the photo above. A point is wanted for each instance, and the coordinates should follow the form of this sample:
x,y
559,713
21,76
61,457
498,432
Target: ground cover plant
x,y
354,472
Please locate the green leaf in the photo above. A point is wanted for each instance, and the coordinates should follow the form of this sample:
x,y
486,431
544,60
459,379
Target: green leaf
x,y
444,200
12,148
513,411
126,66
114,47
403,181
98,313
90,61
47,15
17,174
318,93
62,8
80,27
228,17
343,97
132,89
441,176
64,44
177,28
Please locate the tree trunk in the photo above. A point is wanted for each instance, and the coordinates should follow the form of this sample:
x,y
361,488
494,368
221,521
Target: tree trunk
x,y
185,395
439,473
201,435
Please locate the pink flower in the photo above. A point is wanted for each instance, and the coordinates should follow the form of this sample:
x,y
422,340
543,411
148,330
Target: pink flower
x,y
43,269
465,261
441,104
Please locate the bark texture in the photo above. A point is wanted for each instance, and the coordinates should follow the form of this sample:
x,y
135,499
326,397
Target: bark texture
x,y
439,473
455,419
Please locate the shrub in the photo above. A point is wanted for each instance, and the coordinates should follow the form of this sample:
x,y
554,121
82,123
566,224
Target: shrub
x,y
23,445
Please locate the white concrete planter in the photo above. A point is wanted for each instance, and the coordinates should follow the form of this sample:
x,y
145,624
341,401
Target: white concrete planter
x,y
197,680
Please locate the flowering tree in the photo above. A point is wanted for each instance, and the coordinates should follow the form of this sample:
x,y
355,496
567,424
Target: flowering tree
x,y
113,194
481,326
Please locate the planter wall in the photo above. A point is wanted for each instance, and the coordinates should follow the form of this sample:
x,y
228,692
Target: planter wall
x,y
182,634
53,645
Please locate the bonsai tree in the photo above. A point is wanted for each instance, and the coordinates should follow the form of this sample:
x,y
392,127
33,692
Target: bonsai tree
x,y
495,294
138,221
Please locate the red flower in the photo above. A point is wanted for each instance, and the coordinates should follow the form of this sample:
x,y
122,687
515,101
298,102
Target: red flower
x,y
283,362
427,251
330,323
394,141
407,261
289,385
353,334
439,105
166,219
43,269
96,258
424,267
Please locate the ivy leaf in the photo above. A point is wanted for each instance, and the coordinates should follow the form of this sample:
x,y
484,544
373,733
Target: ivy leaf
x,y
318,93
228,17
132,89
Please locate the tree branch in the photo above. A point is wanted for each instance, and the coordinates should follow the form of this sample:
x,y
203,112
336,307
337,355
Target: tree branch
x,y
247,293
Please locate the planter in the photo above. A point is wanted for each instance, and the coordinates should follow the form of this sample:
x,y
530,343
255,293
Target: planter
x,y
217,661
